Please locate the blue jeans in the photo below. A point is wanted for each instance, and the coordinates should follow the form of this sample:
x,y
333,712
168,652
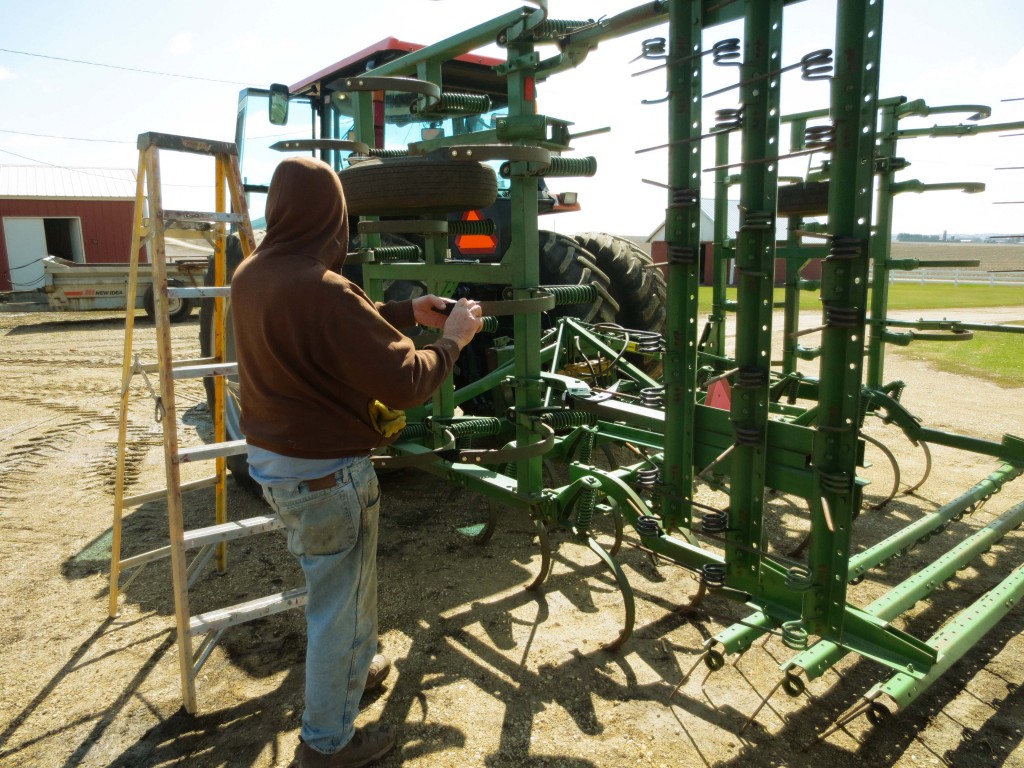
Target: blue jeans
x,y
333,533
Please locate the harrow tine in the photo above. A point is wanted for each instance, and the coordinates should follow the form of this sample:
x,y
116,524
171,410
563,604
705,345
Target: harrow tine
x,y
895,470
480,533
927,468
545,555
627,595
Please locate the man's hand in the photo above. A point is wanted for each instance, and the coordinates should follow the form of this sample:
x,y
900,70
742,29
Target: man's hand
x,y
431,310
463,322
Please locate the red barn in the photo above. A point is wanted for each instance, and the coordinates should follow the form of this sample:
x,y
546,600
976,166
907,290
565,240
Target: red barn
x,y
78,214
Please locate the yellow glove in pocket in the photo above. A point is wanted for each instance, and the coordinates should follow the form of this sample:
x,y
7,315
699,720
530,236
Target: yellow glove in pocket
x,y
386,421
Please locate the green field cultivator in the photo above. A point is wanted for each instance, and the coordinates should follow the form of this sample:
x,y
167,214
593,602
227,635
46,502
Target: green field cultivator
x,y
702,433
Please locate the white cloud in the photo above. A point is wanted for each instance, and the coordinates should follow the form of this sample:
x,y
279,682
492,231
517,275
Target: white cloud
x,y
181,43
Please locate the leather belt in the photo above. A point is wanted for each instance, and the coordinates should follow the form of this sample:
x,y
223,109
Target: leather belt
x,y
322,483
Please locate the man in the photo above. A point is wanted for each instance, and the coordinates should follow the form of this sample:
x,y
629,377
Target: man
x,y
321,367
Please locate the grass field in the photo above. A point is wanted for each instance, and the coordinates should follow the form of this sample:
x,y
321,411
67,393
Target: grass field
x,y
996,357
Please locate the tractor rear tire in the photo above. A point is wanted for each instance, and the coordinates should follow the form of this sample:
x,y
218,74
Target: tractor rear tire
x,y
564,261
389,186
637,285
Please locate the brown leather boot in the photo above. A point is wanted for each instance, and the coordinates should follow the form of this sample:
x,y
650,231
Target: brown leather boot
x,y
368,745
380,668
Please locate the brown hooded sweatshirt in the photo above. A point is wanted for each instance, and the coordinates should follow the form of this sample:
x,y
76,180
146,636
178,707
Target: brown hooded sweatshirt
x,y
313,350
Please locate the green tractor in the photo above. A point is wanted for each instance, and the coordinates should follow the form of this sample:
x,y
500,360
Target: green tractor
x,y
369,141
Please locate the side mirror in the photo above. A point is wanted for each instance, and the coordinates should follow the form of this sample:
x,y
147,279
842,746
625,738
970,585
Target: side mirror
x,y
278,104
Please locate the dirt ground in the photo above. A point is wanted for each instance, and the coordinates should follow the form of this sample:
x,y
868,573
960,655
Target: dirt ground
x,y
486,673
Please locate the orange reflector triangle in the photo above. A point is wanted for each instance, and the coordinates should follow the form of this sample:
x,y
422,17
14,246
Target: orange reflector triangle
x,y
475,244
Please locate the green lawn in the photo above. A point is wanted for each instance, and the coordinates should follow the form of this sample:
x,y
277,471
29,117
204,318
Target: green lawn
x,y
911,296
994,356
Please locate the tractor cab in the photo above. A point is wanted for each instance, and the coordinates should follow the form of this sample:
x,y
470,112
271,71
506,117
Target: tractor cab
x,y
320,107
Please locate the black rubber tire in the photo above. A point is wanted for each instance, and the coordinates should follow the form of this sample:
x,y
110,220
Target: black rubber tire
x,y
178,309
563,261
391,186
636,284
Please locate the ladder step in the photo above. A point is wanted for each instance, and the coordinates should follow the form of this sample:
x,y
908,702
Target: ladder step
x,y
200,371
186,144
185,219
248,611
211,451
204,292
155,367
142,498
214,534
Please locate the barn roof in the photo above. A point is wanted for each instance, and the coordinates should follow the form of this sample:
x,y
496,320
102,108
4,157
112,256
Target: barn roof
x,y
43,181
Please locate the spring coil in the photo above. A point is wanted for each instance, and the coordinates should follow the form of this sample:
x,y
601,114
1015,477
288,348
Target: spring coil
x,y
837,482
712,575
746,435
794,635
725,53
397,253
572,294
476,227
820,136
552,29
816,65
479,427
653,48
749,377
798,578
715,521
684,197
588,496
757,220
846,248
571,166
682,254
415,431
652,397
490,325
648,525
562,420
375,152
728,119
647,479
456,104
841,317
647,342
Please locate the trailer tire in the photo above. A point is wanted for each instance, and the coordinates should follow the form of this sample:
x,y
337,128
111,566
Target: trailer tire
x,y
178,309
386,186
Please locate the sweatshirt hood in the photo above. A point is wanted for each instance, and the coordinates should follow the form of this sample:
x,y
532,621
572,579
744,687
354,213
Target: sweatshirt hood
x,y
306,213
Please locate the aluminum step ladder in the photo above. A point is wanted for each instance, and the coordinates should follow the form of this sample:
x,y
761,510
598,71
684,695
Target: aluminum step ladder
x,y
151,232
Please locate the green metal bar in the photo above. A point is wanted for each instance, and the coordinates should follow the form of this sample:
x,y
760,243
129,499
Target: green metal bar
x,y
755,267
957,638
715,342
682,233
824,655
844,296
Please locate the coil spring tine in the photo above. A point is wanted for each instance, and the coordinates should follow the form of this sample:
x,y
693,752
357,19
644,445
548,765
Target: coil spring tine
x,y
652,48
817,65
794,635
648,525
571,166
712,575
653,397
820,137
845,249
375,152
475,427
726,53
715,522
571,294
798,578
841,317
728,119
552,29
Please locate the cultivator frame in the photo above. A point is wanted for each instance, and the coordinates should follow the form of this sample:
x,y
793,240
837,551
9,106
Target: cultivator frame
x,y
572,389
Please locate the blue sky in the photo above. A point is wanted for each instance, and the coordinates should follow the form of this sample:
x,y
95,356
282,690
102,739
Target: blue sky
x,y
937,50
